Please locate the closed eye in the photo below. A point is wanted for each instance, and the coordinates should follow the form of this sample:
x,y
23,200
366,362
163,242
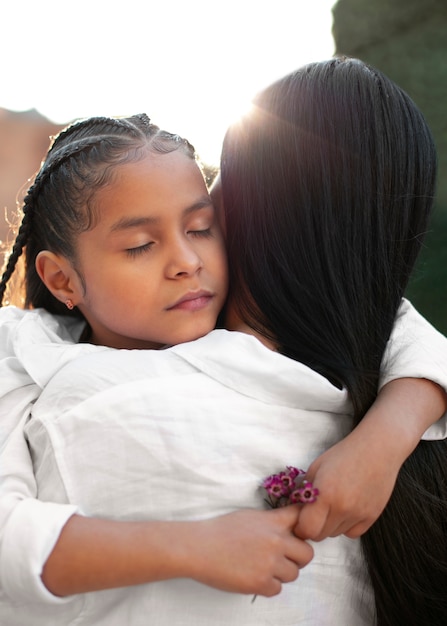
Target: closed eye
x,y
133,252
201,233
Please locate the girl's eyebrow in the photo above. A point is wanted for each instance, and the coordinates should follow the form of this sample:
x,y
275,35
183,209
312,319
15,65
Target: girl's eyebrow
x,y
202,203
125,223
131,222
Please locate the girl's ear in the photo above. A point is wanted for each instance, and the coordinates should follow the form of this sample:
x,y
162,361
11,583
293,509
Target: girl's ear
x,y
59,276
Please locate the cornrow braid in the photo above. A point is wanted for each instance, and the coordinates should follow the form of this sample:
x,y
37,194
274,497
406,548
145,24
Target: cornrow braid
x,y
62,155
101,126
58,205
16,252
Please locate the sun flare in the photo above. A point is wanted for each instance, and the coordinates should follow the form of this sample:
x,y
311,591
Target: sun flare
x,y
194,70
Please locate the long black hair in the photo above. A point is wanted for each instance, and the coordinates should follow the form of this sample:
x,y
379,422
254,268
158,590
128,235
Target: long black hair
x,y
60,203
328,185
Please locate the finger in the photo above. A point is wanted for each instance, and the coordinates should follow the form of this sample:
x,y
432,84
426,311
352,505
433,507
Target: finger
x,y
353,531
313,521
357,530
299,552
288,515
273,588
286,571
333,529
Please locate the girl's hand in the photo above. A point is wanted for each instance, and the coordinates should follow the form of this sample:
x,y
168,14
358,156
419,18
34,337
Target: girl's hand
x,y
354,483
356,477
249,551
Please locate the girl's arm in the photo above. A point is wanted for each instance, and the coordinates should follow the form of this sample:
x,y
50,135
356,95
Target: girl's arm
x,y
248,551
344,473
356,476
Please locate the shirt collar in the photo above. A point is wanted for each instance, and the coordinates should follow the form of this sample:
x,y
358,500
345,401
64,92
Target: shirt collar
x,y
44,343
243,363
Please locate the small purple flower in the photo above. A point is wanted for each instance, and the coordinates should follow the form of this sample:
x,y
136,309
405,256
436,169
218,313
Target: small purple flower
x,y
289,487
276,490
274,486
308,493
270,480
286,480
295,497
293,472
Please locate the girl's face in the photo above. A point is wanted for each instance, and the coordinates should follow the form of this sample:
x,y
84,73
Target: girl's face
x,y
154,266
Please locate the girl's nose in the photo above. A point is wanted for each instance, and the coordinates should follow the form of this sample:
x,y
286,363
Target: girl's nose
x,y
183,260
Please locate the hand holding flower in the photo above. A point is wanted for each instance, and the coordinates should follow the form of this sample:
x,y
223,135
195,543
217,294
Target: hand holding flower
x,y
289,487
248,551
357,475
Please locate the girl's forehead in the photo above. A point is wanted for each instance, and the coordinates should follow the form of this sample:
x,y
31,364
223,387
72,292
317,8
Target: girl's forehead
x,y
155,171
158,184
151,158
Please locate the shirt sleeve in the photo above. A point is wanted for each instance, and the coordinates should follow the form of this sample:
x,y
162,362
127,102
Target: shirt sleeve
x,y
29,529
416,350
33,345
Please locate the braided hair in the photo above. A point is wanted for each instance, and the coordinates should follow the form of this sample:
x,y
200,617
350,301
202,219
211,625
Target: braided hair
x,y
58,205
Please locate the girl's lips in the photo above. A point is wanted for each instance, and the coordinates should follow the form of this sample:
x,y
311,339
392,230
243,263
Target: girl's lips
x,y
192,301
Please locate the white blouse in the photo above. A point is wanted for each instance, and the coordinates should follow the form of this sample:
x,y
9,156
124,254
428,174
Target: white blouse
x,y
110,437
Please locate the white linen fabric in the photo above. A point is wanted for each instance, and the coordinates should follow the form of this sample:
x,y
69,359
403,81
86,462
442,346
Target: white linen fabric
x,y
33,346
208,420
189,433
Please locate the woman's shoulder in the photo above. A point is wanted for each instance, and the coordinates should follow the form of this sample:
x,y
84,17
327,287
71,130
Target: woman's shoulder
x,y
10,314
38,323
10,319
34,344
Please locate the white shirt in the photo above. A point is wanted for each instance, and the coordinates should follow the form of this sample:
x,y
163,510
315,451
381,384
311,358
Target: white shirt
x,y
225,394
33,346
189,433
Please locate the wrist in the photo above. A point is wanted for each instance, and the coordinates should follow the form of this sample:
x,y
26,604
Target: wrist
x,y
386,438
175,547
411,405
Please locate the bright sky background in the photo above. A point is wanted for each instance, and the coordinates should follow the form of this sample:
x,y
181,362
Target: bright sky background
x,y
191,65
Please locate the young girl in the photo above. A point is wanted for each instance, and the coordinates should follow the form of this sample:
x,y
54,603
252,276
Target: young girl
x,y
120,233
